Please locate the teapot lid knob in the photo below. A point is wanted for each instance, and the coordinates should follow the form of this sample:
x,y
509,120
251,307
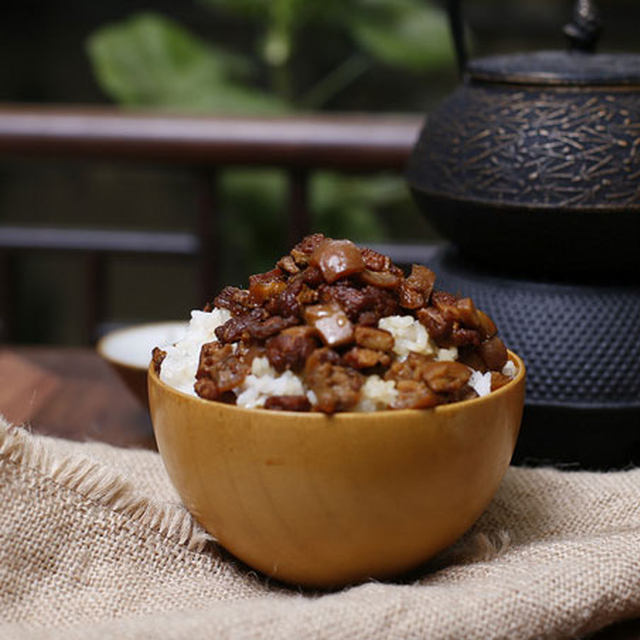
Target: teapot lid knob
x,y
585,28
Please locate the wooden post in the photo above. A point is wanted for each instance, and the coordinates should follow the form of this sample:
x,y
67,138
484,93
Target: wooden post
x,y
299,214
209,231
95,294
8,296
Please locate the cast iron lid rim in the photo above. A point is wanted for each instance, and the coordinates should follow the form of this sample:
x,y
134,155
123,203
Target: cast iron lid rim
x,y
558,68
549,80
512,207
572,405
448,257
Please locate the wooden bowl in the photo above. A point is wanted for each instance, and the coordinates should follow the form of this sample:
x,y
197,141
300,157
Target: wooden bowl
x,y
324,501
128,351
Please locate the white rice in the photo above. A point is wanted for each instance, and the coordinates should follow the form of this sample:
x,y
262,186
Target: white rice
x,y
408,335
509,369
376,393
480,382
448,355
264,381
411,336
181,364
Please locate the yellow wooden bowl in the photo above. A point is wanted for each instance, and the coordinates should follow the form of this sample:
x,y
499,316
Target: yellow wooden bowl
x,y
325,501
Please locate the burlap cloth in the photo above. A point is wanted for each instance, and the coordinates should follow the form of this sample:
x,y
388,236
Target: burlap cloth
x,y
95,544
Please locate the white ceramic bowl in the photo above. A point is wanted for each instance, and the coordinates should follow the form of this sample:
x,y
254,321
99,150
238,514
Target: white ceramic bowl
x,y
128,351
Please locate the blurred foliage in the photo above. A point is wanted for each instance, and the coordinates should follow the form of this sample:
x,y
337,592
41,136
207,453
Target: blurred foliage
x,y
151,61
255,216
408,34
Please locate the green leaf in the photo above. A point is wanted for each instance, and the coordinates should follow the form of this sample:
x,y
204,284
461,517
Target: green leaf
x,y
248,8
253,201
149,60
256,216
410,34
346,206
294,11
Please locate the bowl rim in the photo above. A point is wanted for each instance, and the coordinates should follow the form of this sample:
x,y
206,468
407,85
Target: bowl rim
x,y
101,344
350,415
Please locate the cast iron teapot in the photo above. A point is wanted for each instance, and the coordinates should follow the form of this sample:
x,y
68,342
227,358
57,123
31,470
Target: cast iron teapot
x,y
533,163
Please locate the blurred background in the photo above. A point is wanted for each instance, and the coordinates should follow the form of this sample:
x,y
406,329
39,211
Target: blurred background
x,y
239,57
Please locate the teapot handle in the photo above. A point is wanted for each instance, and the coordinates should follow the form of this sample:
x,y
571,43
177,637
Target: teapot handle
x,y
583,31
456,26
585,28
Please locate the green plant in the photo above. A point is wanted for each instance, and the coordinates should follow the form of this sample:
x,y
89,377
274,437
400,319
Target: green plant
x,y
150,61
305,56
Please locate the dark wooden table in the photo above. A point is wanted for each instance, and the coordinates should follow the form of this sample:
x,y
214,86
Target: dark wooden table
x,y
71,393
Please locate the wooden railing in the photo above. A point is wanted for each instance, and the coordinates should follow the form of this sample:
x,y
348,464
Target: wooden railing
x,y
298,145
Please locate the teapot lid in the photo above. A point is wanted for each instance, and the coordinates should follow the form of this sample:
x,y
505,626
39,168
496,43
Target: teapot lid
x,y
577,66
574,67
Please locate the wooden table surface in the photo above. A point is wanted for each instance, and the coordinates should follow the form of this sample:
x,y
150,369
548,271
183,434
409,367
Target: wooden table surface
x,y
71,393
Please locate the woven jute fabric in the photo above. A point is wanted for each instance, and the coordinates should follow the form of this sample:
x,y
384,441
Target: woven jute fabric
x,y
95,544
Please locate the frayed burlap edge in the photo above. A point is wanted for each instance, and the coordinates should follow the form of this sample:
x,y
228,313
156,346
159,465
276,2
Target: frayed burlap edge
x,y
100,485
